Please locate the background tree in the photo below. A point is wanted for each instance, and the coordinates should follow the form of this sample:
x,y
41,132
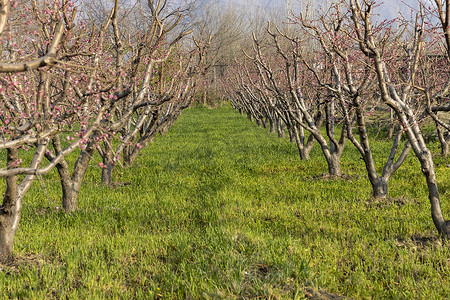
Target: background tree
x,y
353,87
435,81
399,96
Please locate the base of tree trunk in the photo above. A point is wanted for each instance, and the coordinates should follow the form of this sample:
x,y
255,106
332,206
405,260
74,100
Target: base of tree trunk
x,y
380,189
107,175
291,136
6,239
334,168
272,126
70,202
445,150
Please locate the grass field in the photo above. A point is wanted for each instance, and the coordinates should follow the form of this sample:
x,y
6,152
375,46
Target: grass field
x,y
221,209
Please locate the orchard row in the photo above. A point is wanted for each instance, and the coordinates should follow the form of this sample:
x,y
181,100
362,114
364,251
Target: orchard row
x,y
73,82
343,66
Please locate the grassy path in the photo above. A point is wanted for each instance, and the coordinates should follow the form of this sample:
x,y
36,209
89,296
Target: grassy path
x,y
220,209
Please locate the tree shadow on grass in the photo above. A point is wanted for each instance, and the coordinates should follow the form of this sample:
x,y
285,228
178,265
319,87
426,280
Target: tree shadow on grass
x,y
16,263
389,201
319,294
267,275
421,241
328,177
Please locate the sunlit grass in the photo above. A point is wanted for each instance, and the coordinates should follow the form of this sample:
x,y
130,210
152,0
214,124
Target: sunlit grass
x,y
220,208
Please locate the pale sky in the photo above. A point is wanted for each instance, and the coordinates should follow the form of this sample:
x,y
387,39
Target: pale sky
x,y
388,9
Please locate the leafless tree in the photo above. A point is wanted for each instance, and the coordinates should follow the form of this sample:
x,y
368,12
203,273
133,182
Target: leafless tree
x,y
398,96
35,106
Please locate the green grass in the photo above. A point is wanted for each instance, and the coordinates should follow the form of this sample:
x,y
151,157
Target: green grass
x,y
221,209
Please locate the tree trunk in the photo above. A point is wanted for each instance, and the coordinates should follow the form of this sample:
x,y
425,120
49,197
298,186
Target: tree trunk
x,y
426,162
126,153
69,188
263,121
379,188
204,99
301,133
70,196
8,219
12,199
304,152
10,210
130,157
331,120
292,138
444,142
280,128
107,174
71,185
334,165
391,128
272,125
108,163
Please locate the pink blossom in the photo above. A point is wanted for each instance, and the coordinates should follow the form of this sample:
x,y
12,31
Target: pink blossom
x,y
17,163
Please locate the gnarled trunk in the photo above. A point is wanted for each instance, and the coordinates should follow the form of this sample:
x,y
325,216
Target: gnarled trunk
x,y
127,155
299,138
8,219
391,125
379,187
69,188
280,128
204,99
71,185
108,163
107,173
272,125
13,197
9,211
426,162
379,183
334,165
70,196
444,141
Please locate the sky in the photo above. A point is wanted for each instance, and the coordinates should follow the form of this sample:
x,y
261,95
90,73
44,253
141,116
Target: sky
x,y
388,8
